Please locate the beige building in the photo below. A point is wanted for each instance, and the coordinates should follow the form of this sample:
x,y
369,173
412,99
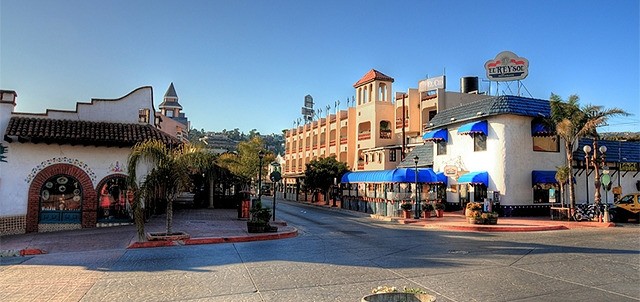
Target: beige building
x,y
375,133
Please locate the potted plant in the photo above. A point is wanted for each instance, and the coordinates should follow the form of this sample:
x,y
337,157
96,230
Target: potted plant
x,y
439,206
474,217
427,208
406,209
391,293
259,221
490,218
473,210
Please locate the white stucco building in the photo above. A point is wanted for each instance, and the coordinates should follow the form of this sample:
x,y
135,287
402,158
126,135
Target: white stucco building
x,y
66,169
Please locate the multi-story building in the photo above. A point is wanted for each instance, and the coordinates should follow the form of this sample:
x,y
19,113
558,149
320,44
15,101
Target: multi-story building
x,y
373,134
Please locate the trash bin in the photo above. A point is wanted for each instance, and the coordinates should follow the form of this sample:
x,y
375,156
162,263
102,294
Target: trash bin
x,y
244,206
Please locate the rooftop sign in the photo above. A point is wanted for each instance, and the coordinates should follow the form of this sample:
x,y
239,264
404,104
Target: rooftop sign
x,y
432,84
507,66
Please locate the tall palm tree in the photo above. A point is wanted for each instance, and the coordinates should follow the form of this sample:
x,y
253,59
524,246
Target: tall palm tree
x,y
572,123
168,172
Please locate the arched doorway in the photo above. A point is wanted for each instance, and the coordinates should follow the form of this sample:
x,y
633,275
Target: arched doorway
x,y
114,203
65,179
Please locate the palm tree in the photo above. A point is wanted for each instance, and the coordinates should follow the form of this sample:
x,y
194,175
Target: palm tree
x,y
572,123
169,173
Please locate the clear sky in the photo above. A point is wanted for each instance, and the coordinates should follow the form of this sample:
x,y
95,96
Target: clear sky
x,y
249,64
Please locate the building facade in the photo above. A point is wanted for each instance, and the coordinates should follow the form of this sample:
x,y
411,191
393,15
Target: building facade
x,y
66,169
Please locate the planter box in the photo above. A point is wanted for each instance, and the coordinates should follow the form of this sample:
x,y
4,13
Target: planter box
x,y
256,227
167,237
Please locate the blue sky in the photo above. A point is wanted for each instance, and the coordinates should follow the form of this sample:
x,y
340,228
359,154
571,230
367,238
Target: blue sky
x,y
249,64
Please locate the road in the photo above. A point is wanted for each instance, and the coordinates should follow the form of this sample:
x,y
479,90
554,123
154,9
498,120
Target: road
x,y
341,256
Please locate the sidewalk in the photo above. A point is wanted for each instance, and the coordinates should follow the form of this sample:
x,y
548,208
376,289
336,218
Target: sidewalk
x,y
205,226
457,221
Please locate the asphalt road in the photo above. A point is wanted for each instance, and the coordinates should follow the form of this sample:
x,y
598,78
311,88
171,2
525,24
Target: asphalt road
x,y
341,256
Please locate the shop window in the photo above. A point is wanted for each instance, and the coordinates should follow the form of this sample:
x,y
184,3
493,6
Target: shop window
x,y
114,203
479,142
546,144
544,193
61,200
479,193
441,147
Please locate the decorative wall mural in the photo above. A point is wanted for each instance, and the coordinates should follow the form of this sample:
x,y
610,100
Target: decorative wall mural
x,y
116,167
61,160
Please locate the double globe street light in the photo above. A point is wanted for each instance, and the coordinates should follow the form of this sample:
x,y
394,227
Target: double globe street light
x,y
596,161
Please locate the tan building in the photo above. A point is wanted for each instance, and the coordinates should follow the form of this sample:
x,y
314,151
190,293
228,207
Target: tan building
x,y
171,119
375,133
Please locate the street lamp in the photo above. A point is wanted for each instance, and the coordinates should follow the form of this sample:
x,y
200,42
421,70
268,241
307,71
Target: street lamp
x,y
417,211
596,161
260,157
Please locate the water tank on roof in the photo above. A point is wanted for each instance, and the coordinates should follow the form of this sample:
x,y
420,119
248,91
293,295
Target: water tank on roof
x,y
469,85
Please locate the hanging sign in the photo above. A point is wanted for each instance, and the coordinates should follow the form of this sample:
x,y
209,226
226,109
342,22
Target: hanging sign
x,y
507,66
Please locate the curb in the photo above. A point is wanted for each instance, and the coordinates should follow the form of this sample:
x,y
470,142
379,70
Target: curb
x,y
498,228
22,252
214,240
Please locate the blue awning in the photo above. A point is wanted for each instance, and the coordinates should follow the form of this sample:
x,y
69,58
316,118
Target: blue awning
x,y
405,175
436,135
442,178
539,129
475,178
475,127
543,177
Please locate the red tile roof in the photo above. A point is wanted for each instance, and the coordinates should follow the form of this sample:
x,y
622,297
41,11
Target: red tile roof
x,y
51,131
371,76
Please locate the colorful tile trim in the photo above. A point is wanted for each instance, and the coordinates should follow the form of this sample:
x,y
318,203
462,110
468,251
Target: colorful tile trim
x,y
61,160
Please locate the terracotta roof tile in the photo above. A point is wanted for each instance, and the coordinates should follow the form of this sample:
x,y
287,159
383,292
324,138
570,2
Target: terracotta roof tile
x,y
371,76
50,131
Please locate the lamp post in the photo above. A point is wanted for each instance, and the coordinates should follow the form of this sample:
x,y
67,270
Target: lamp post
x,y
260,157
275,177
586,150
417,211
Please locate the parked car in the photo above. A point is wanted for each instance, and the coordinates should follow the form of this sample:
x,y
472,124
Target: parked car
x,y
266,190
627,207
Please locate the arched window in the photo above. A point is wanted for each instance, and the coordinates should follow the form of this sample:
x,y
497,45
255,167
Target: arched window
x,y
61,200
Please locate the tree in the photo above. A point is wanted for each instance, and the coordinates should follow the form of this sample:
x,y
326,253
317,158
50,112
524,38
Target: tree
x,y
562,176
572,123
245,163
169,174
320,173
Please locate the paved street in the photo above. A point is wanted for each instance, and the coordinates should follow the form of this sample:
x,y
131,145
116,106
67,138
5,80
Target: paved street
x,y
341,256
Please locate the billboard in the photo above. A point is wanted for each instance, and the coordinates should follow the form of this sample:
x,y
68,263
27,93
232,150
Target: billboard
x,y
432,84
507,66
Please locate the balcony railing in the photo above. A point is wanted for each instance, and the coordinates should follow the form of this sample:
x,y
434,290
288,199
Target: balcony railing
x,y
399,123
343,140
385,134
364,136
332,143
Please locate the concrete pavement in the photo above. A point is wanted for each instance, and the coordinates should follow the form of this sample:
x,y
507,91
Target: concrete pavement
x,y
209,226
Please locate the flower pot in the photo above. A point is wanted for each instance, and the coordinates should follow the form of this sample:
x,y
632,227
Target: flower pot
x,y
256,227
407,214
473,220
396,297
439,213
491,221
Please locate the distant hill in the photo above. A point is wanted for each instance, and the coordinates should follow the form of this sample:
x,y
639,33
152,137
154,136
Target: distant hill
x,y
627,136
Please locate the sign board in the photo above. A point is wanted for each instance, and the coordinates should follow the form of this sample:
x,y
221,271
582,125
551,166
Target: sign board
x,y
275,176
451,171
605,179
507,66
308,101
432,84
628,166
